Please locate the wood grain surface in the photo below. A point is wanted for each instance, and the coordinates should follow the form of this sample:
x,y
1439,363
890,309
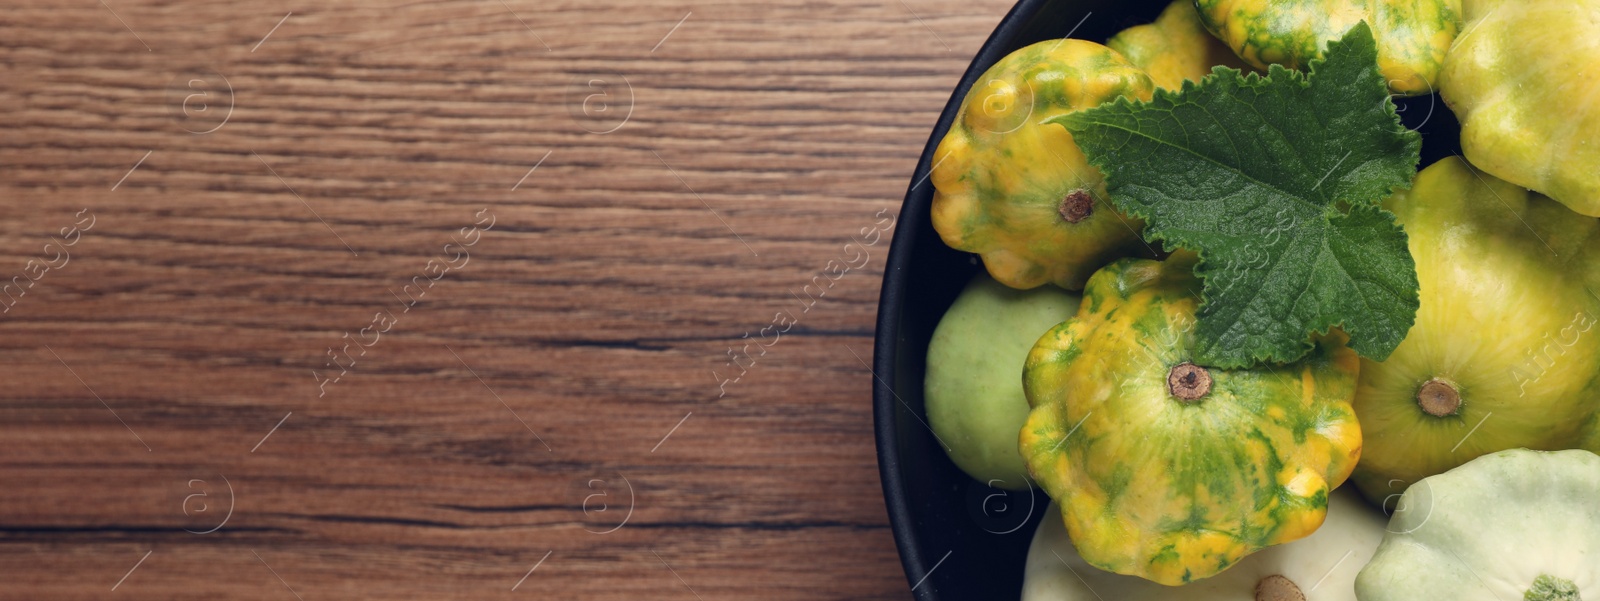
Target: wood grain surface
x,y
275,360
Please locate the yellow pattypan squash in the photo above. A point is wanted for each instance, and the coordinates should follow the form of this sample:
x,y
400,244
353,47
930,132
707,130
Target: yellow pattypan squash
x,y
1169,470
1015,189
1524,79
1175,48
1504,352
1412,35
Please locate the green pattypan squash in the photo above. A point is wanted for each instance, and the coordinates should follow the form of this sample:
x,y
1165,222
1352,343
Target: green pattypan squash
x,y
1412,35
1175,48
1017,190
973,387
1319,567
1504,352
1173,471
1525,82
1515,525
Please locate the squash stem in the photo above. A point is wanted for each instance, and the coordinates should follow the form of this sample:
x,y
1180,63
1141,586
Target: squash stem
x,y
1551,588
1438,398
1278,588
1077,206
1188,382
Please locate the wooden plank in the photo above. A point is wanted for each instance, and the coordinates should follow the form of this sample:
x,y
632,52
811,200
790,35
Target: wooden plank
x,y
162,435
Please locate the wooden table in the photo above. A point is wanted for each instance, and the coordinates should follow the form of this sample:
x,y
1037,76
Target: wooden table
x,y
435,300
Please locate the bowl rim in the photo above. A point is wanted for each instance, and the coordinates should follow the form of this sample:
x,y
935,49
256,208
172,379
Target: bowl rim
x,y
915,208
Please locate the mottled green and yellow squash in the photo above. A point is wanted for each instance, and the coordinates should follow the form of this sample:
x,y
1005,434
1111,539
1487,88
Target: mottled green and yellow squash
x,y
1175,48
1016,190
1168,470
1525,84
1504,352
1413,35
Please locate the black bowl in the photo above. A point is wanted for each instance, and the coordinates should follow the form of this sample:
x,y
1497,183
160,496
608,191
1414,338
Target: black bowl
x,y
958,538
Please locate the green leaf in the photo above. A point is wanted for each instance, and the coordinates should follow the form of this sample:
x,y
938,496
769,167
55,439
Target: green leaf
x,y
1275,182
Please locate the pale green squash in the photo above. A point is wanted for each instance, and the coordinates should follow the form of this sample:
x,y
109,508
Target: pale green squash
x,y
973,388
1514,525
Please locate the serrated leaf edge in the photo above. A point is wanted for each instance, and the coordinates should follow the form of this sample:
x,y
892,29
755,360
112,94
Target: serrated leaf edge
x,y
1413,146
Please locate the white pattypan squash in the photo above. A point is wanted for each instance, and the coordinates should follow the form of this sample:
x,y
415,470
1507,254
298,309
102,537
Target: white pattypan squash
x,y
1521,525
1319,567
